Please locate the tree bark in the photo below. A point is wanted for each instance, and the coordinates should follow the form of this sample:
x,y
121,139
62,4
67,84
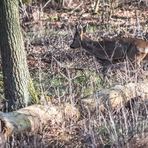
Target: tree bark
x,y
14,65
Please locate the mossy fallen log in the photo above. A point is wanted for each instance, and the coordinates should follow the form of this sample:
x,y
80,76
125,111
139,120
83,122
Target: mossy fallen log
x,y
35,117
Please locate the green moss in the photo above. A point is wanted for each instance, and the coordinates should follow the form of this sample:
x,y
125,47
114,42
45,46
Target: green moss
x,y
33,93
92,28
53,18
27,2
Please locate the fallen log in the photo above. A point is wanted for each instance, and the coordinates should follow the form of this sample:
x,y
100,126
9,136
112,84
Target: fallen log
x,y
35,117
115,97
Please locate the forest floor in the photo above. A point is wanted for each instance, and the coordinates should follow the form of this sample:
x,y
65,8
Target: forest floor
x,y
62,74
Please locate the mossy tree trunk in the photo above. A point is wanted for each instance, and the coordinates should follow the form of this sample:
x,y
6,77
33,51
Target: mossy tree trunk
x,y
14,63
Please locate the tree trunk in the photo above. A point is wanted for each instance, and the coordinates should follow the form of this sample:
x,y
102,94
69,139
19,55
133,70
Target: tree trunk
x,y
14,65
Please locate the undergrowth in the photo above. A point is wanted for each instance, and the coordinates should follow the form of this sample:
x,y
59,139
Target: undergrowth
x,y
61,74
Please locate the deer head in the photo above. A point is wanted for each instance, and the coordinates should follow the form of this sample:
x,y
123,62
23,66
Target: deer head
x,y
79,32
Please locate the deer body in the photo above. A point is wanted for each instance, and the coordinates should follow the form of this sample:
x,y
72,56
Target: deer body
x,y
134,49
105,50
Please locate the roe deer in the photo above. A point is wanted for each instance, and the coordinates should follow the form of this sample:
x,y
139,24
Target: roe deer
x,y
111,50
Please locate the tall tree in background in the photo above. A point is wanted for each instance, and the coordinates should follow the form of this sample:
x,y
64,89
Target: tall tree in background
x,y
14,65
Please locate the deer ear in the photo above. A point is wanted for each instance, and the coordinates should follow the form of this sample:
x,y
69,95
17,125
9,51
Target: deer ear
x,y
78,27
84,28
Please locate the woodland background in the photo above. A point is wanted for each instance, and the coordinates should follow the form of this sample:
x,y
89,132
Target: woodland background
x,y
64,75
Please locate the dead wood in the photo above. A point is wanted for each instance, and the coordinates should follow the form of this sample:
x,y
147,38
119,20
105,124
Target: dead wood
x,y
116,97
34,118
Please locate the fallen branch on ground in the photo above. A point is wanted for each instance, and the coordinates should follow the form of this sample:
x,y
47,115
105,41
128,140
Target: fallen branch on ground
x,y
116,97
34,118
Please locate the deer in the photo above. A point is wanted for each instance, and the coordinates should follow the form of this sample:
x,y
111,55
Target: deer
x,y
111,50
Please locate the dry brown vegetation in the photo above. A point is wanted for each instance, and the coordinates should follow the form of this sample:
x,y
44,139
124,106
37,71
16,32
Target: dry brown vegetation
x,y
62,74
